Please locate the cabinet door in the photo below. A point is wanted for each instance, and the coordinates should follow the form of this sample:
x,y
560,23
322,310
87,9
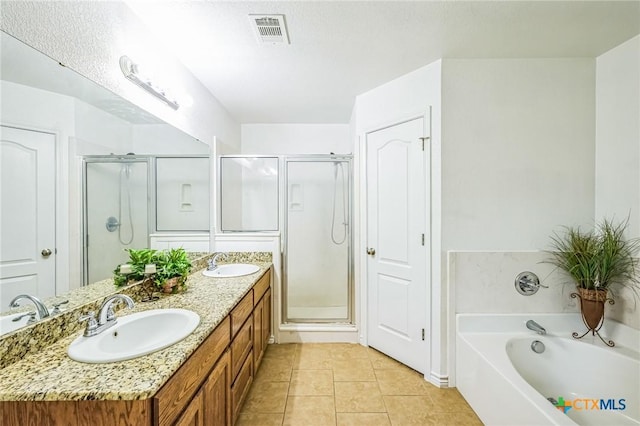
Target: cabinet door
x,y
241,386
241,346
194,413
217,403
258,335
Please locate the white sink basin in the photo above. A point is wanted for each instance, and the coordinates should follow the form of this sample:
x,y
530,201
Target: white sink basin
x,y
135,335
232,270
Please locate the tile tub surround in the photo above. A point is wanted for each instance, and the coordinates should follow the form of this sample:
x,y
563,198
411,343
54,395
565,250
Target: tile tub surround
x,y
483,282
34,338
49,374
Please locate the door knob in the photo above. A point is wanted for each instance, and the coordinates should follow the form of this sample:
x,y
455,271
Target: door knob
x,y
371,251
46,252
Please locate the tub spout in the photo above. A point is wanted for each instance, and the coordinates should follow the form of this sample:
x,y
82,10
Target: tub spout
x,y
532,325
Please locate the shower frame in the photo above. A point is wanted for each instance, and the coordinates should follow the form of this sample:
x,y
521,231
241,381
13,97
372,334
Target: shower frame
x,y
323,158
150,160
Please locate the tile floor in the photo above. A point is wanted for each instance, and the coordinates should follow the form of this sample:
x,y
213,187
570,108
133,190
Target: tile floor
x,y
346,384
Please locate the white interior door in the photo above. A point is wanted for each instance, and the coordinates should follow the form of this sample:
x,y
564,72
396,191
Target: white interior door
x,y
27,214
398,302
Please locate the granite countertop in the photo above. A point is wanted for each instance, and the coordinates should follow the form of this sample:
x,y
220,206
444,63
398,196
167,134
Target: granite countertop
x,y
50,374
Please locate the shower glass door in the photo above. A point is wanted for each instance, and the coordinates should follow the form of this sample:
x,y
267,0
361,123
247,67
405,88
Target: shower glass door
x,y
116,214
318,284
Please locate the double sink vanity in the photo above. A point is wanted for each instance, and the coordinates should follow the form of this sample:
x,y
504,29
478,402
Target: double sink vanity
x,y
187,358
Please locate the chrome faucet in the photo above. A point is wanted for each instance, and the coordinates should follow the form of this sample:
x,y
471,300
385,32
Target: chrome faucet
x,y
41,309
213,262
532,325
106,315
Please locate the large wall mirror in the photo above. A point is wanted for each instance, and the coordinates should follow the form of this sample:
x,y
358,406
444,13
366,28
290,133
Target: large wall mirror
x,y
53,120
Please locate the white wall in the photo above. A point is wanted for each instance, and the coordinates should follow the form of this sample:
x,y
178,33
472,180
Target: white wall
x,y
517,151
90,38
294,139
166,140
618,134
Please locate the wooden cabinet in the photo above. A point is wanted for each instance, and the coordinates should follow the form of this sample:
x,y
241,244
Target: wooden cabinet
x,y
261,318
217,405
208,389
176,394
193,415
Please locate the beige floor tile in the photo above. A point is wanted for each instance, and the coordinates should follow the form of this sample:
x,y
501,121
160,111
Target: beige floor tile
x,y
317,350
312,361
362,419
285,351
410,410
446,400
260,419
267,397
274,370
401,382
311,382
450,419
381,361
352,370
310,411
349,351
358,397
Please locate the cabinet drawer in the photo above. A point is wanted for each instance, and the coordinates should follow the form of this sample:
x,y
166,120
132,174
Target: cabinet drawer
x,y
241,386
240,347
261,287
174,396
241,312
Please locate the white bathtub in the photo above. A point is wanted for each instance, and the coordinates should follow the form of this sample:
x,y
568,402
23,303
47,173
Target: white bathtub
x,y
507,383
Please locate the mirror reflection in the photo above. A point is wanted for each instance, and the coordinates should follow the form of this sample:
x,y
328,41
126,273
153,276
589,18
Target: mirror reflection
x,y
67,161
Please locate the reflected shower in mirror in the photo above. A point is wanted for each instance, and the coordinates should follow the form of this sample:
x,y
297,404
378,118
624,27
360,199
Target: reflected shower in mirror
x,y
55,117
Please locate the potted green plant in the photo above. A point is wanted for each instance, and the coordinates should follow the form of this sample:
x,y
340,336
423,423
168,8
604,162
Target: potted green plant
x,y
172,269
138,260
596,261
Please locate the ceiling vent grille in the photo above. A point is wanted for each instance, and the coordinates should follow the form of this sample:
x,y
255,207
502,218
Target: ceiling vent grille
x,y
270,29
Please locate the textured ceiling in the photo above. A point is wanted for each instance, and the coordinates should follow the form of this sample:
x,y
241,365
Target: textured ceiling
x,y
340,49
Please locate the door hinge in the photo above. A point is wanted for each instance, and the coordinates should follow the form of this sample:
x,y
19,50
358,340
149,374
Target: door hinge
x,y
426,138
422,239
423,334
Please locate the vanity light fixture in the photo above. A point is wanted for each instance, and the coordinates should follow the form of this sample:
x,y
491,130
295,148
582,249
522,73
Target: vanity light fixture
x,y
132,72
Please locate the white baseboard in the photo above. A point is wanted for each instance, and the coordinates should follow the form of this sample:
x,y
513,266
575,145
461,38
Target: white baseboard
x,y
438,380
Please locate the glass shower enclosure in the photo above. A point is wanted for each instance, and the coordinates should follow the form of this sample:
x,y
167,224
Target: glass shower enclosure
x,y
116,212
317,234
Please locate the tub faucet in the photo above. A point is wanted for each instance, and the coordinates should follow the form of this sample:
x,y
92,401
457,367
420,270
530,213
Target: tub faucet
x,y
42,310
532,325
213,262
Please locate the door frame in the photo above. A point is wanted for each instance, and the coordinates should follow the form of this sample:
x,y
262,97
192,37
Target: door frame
x,y
61,210
437,371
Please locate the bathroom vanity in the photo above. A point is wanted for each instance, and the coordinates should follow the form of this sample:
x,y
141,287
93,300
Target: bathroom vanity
x,y
203,379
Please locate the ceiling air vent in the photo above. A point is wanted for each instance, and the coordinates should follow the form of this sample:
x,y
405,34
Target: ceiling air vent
x,y
270,29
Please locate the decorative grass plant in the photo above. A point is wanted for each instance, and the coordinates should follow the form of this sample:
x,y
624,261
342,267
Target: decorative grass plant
x,y
596,260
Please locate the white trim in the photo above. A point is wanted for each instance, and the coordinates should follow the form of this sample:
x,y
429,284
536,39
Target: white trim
x,y
318,333
438,380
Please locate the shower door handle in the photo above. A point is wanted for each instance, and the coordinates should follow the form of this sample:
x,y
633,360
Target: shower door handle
x,y
371,251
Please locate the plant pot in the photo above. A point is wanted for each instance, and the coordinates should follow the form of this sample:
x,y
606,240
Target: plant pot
x,y
592,306
172,285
